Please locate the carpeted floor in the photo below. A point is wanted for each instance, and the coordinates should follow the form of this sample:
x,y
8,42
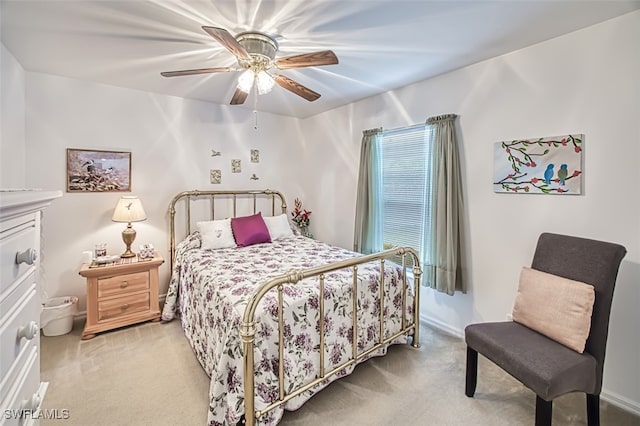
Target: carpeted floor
x,y
147,375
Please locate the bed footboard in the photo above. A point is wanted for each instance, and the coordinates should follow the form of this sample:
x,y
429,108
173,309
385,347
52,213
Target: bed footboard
x,y
248,328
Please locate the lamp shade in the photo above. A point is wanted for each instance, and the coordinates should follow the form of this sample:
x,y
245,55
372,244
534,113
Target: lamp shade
x,y
264,82
246,79
129,209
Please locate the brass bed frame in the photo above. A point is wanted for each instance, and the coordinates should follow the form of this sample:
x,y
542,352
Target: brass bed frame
x,y
248,329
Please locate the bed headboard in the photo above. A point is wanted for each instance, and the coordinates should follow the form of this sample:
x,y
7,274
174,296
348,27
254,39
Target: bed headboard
x,y
199,205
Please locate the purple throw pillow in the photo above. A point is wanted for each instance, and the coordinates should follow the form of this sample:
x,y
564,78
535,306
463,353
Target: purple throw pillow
x,y
249,230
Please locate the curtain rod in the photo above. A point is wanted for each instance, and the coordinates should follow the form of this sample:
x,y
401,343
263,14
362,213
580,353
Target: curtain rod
x,y
413,126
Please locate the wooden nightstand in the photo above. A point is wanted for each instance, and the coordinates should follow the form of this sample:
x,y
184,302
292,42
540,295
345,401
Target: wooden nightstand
x,y
122,293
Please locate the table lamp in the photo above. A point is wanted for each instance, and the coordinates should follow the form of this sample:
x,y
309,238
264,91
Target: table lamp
x,y
129,209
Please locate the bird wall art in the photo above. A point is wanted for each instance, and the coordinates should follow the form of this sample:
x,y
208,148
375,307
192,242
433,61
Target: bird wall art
x,y
549,165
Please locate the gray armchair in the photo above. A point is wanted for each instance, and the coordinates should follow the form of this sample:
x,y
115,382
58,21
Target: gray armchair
x,y
546,367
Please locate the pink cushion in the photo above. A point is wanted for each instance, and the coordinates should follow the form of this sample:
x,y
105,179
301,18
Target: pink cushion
x,y
557,307
249,230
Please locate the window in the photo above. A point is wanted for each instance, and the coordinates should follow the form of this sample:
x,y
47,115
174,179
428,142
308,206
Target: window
x,y
405,158
410,194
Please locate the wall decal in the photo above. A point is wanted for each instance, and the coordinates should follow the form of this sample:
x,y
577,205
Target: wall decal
x,y
215,176
98,171
215,153
235,166
254,177
255,156
551,165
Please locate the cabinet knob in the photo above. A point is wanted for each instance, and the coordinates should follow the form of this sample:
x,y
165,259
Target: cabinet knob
x,y
29,331
29,256
32,403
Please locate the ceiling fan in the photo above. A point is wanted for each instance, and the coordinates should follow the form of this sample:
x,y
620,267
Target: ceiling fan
x,y
256,54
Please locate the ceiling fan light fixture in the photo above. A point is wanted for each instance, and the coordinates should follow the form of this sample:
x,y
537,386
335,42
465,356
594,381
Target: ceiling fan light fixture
x,y
258,44
246,79
256,55
264,82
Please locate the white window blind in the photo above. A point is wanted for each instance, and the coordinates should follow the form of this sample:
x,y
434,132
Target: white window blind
x,y
405,160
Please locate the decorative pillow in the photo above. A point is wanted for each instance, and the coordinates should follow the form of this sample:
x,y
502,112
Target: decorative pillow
x,y
250,230
557,307
216,234
278,226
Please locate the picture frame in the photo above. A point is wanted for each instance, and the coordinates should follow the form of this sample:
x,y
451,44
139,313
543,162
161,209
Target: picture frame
x,y
215,176
98,171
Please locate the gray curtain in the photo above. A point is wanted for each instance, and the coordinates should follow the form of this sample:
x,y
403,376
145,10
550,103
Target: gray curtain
x,y
443,266
367,237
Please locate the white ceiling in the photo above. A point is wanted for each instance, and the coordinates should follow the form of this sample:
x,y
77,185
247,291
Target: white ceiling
x,y
381,44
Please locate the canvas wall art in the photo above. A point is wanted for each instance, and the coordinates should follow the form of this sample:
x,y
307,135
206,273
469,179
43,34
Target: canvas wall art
x,y
549,165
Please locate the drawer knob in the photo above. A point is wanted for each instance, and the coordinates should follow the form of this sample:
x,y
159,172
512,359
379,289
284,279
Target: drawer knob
x,y
125,306
124,284
29,331
29,256
32,403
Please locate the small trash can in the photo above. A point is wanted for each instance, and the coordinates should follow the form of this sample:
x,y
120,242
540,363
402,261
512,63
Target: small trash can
x,y
57,315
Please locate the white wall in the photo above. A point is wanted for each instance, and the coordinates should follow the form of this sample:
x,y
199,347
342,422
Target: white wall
x,y
170,140
585,82
12,121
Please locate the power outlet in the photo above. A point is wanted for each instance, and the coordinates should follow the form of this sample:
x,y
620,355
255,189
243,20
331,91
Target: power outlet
x,y
509,317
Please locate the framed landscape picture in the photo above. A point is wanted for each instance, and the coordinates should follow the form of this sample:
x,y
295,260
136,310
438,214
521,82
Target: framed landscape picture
x,y
98,171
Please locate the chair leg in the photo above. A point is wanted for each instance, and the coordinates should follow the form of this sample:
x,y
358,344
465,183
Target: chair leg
x,y
472,372
593,410
543,412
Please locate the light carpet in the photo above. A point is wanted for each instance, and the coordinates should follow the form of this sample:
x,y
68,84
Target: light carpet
x,y
147,375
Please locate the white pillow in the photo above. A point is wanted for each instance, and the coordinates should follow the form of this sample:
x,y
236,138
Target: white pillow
x,y
278,226
216,234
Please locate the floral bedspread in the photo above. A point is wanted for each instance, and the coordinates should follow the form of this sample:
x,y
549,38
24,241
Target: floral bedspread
x,y
209,290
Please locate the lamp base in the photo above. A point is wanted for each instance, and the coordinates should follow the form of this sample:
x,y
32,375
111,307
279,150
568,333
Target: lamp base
x,y
128,236
128,253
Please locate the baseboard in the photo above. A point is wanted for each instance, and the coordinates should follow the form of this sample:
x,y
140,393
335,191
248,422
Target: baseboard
x,y
620,401
444,327
610,397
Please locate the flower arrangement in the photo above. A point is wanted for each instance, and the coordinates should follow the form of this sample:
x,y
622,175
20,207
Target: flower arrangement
x,y
300,216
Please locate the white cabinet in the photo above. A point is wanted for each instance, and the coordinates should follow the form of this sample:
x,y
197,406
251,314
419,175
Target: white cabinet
x,y
21,391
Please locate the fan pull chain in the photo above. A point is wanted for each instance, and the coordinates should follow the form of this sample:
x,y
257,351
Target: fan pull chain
x,y
255,106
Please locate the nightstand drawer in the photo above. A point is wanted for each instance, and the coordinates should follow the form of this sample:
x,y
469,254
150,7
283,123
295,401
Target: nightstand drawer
x,y
123,284
122,306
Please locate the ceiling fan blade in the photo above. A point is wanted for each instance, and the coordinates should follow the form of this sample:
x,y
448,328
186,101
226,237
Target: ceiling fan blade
x,y
225,38
193,72
296,88
325,57
239,97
